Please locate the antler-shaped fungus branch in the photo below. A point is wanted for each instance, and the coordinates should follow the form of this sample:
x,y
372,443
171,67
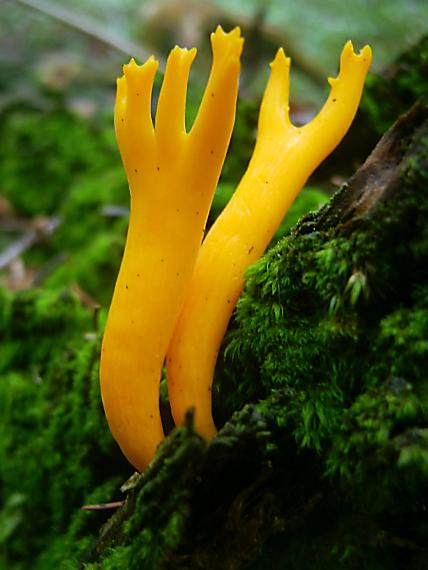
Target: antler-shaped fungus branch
x,y
172,177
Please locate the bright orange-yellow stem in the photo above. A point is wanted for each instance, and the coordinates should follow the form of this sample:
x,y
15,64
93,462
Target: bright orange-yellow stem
x,y
172,177
283,159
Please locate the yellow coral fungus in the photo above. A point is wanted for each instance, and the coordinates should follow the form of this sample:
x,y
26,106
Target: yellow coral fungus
x,y
172,176
283,159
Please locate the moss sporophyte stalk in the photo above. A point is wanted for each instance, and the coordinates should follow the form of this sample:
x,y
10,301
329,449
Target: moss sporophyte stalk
x,y
175,293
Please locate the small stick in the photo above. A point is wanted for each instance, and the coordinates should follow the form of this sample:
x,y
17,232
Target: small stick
x,y
102,506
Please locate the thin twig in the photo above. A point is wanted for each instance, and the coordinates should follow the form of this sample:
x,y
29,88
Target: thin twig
x,y
102,506
17,247
27,239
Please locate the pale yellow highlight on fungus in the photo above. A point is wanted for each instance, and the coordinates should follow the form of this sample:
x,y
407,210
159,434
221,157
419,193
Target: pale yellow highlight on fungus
x,y
283,159
172,177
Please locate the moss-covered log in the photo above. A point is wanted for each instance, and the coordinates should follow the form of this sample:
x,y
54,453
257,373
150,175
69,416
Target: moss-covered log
x,y
326,463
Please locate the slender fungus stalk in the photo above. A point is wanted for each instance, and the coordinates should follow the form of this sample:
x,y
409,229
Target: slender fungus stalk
x,y
172,177
283,159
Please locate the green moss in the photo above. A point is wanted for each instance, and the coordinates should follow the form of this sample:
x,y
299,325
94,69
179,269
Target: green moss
x,y
300,290
44,152
55,448
322,297
330,334
150,534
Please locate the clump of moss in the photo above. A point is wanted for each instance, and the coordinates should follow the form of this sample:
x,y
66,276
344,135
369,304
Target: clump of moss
x,y
323,296
330,336
151,533
195,482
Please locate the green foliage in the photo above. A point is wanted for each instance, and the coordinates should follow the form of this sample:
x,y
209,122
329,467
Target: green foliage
x,y
44,152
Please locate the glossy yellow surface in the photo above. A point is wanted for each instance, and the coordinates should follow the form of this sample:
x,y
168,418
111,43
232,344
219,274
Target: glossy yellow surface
x,y
283,159
172,177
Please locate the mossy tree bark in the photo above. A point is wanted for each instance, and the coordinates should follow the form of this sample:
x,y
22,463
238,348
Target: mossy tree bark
x,y
325,463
